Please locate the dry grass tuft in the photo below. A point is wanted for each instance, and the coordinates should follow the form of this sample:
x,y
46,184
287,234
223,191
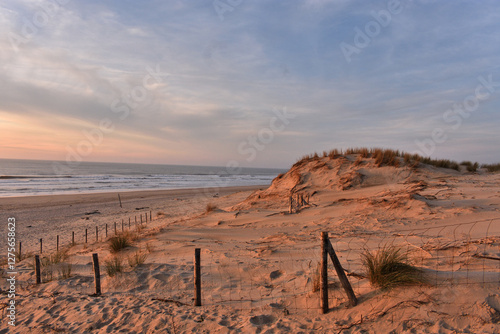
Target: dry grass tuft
x,y
119,242
65,271
137,259
114,266
389,267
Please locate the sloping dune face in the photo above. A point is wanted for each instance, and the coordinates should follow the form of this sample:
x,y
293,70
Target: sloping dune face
x,y
344,174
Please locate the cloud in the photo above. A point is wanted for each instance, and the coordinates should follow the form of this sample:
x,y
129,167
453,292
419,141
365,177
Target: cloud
x,y
220,80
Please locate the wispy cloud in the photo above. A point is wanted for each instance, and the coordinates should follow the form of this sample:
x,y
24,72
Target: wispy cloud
x,y
220,79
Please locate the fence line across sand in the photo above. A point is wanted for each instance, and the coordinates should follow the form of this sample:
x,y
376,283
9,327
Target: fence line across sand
x,y
288,278
62,240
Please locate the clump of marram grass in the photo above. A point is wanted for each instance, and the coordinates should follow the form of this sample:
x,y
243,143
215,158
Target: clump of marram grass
x,y
114,266
389,267
210,208
119,242
137,259
492,168
65,270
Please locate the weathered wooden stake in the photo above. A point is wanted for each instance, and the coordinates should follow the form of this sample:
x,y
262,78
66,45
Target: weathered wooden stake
x,y
57,243
106,230
97,274
97,233
86,235
324,273
115,228
119,198
197,277
146,215
37,269
342,276
41,246
141,218
73,238
129,223
150,215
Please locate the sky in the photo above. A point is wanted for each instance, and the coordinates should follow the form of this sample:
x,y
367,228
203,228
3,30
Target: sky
x,y
247,83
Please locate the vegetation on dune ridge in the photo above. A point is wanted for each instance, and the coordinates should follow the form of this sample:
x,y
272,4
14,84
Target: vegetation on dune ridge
x,y
396,158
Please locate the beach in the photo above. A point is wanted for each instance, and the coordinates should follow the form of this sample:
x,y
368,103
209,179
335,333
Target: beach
x,y
260,250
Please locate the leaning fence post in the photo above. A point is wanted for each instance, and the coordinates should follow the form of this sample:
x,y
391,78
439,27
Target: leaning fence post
x,y
37,269
97,274
341,274
324,273
197,277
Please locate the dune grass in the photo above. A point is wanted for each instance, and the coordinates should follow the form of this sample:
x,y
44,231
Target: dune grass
x,y
389,267
114,266
119,242
492,168
396,158
137,259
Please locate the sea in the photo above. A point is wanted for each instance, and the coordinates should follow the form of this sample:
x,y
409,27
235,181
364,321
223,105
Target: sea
x,y
37,177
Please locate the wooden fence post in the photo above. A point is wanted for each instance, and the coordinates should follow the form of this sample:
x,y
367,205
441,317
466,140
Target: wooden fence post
x,y
141,218
150,215
324,273
96,233
41,246
197,277
342,276
86,235
57,243
129,223
37,269
106,230
119,198
73,238
97,274
115,228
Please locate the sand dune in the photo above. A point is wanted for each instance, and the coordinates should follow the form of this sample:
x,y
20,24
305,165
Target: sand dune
x,y
259,261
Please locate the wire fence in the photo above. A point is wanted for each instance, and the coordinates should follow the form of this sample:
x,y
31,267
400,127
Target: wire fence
x,y
283,274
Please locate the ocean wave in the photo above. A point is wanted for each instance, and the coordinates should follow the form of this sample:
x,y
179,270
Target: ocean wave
x,y
13,177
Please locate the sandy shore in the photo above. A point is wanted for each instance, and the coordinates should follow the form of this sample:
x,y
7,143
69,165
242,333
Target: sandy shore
x,y
260,261
40,216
